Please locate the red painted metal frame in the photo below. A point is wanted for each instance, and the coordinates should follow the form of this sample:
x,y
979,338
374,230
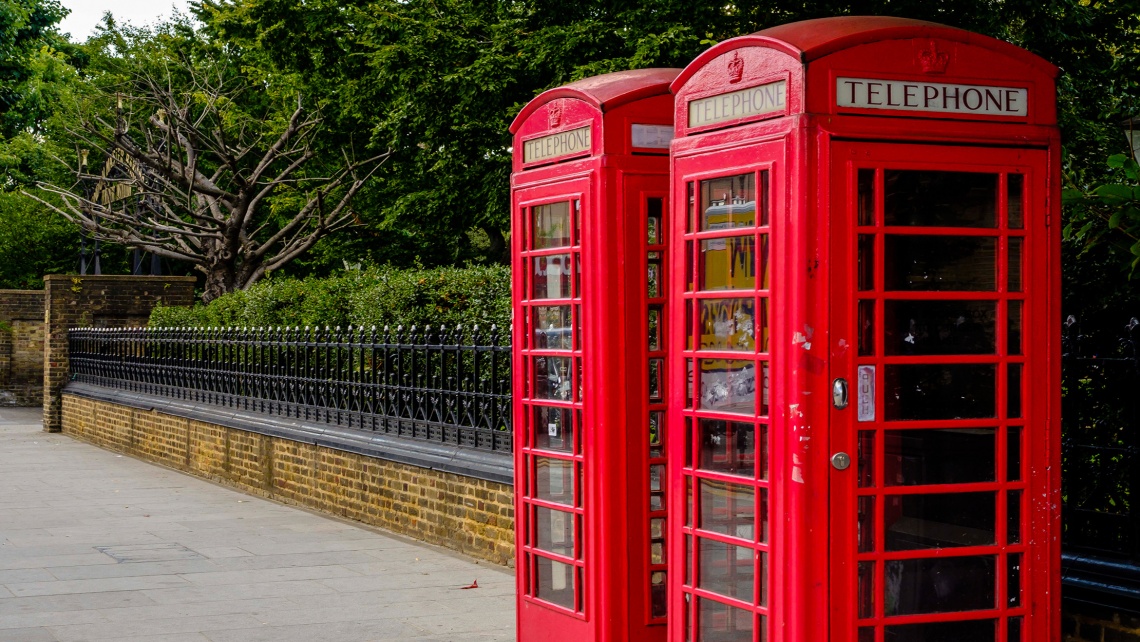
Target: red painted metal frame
x,y
809,150
616,185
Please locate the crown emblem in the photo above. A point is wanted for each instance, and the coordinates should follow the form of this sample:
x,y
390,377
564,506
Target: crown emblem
x,y
735,68
554,115
932,60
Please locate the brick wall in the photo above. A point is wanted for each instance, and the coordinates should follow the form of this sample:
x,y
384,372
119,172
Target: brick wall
x,y
96,301
472,516
21,347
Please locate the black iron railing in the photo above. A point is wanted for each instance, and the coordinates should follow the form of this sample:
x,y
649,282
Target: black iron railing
x,y
1100,470
437,384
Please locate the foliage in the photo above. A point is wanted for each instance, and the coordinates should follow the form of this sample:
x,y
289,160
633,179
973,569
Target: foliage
x,y
30,56
1109,211
375,296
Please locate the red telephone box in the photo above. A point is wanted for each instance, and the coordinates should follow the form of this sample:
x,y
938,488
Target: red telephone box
x,y
865,407
589,190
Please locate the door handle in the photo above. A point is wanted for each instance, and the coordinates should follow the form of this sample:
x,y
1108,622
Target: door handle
x,y
839,393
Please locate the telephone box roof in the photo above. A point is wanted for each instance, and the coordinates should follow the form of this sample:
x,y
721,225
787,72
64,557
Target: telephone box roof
x,y
605,91
813,39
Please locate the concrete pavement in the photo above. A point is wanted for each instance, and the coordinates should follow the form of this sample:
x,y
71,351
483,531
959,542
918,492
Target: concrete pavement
x,y
100,546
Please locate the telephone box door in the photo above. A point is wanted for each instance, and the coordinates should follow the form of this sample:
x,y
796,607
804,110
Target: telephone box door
x,y
940,281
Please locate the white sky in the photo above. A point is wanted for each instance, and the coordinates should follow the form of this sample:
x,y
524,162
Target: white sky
x,y
85,14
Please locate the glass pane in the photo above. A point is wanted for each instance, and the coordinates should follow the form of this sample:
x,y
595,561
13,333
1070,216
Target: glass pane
x,y
973,630
866,634
728,385
653,278
1014,327
1013,579
656,501
865,459
555,530
554,480
866,262
940,327
1013,189
940,585
1013,517
552,378
654,208
656,379
553,429
763,517
940,391
728,264
726,569
655,316
866,196
1014,629
656,476
866,524
577,275
765,263
551,225
728,324
1013,391
1015,264
657,528
762,450
551,276
941,520
658,601
727,446
940,263
657,553
939,199
552,327
690,219
726,508
718,622
554,582
950,456
728,202
656,437
1013,454
866,328
866,590
765,198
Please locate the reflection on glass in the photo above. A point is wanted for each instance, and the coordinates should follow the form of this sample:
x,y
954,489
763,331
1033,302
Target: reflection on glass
x,y
940,327
718,622
654,320
1013,454
866,196
1014,327
1015,207
762,452
691,201
865,459
726,569
554,531
1015,264
939,199
728,385
552,329
654,208
940,520
866,590
940,263
552,378
551,276
656,379
727,446
1013,580
656,475
728,202
866,328
657,596
554,582
763,521
866,262
653,278
657,528
1013,517
728,324
551,225
866,523
949,456
1013,391
765,198
554,480
940,585
972,630
553,429
940,391
728,509
657,553
728,263
656,436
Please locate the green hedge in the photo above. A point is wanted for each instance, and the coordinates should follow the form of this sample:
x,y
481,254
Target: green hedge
x,y
376,296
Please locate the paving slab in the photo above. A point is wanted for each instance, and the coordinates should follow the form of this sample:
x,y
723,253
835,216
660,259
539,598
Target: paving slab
x,y
99,546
